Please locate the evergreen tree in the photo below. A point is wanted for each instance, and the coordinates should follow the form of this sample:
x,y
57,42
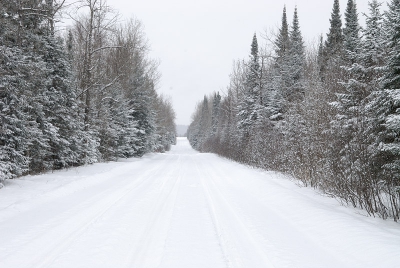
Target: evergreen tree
x,y
296,57
215,113
347,126
391,134
333,58
26,81
281,81
145,118
14,132
373,48
334,41
250,108
321,57
392,78
389,21
282,40
351,33
254,69
199,128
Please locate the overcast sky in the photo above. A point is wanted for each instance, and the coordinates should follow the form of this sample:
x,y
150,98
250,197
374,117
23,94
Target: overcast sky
x,y
197,40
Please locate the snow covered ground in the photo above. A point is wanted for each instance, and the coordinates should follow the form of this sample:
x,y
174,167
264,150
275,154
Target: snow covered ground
x,y
183,209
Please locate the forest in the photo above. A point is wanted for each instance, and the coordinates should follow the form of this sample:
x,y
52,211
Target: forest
x,y
328,115
76,96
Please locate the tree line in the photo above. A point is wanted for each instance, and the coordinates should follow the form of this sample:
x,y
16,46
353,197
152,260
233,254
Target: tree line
x,y
329,116
70,98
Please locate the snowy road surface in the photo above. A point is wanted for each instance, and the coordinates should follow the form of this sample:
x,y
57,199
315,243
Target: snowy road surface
x,y
183,209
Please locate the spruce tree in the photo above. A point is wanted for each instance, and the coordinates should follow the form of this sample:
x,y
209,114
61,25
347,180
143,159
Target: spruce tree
x,y
391,136
215,113
334,41
379,73
254,67
333,55
351,33
296,59
321,57
14,134
390,20
392,77
282,80
282,40
249,109
373,49
349,121
205,123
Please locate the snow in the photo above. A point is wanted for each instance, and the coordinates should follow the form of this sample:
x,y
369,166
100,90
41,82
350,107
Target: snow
x,y
183,209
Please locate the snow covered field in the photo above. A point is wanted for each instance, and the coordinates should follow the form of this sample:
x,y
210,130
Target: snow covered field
x,y
183,209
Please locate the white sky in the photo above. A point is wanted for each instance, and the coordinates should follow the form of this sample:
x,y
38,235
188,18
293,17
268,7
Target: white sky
x,y
197,40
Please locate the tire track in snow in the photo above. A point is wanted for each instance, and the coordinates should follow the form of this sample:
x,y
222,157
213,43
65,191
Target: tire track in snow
x,y
155,234
284,246
238,235
223,243
286,249
76,226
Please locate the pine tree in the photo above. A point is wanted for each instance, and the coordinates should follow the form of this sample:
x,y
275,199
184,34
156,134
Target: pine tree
x,y
281,81
24,81
282,40
334,41
12,128
13,106
351,33
250,108
215,113
200,127
373,50
321,57
392,84
392,78
254,69
389,21
145,119
333,54
382,130
296,58
348,124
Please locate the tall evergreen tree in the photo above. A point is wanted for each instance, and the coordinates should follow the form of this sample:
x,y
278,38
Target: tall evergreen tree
x,y
351,33
334,40
321,57
392,78
381,130
390,20
392,85
333,54
254,67
373,49
14,134
282,40
333,50
215,113
281,78
250,108
296,60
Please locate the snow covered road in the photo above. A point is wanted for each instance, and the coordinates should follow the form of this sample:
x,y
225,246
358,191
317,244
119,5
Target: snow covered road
x,y
183,209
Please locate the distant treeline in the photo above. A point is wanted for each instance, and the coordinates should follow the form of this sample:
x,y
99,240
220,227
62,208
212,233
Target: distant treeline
x,y
328,116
